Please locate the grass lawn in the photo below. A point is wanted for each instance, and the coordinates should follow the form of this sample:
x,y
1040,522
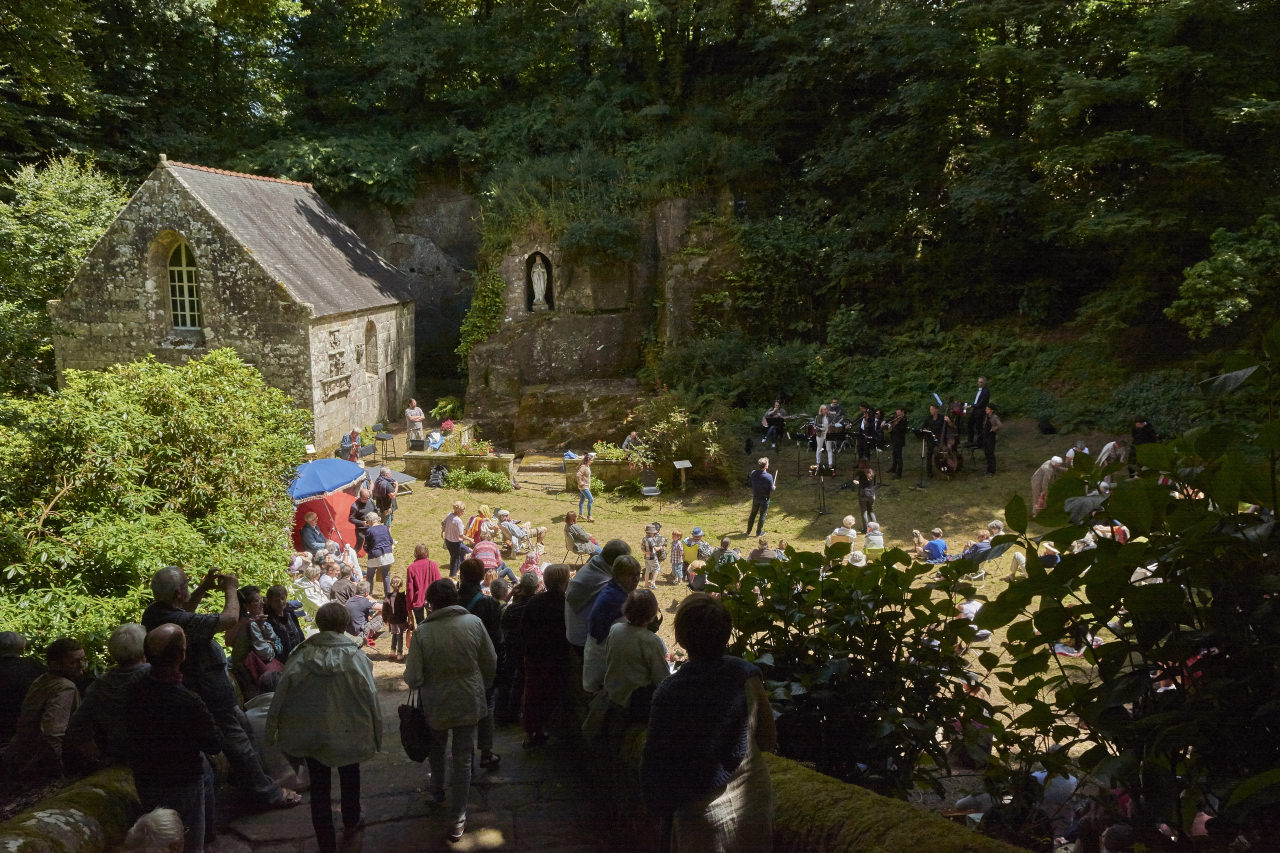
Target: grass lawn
x,y
961,506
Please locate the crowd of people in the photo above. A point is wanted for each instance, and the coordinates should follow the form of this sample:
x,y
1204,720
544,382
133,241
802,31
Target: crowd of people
x,y
483,645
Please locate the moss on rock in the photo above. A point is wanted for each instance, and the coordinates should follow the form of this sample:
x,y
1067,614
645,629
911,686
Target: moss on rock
x,y
88,816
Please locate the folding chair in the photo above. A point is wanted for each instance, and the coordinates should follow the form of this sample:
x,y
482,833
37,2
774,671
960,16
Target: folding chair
x,y
571,550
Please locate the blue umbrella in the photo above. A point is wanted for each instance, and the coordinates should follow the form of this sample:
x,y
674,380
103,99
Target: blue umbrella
x,y
324,477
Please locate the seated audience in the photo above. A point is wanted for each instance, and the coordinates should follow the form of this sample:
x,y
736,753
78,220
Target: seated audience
x,y
576,537
283,618
843,533
874,541
520,535
366,618
935,550
254,643
312,539
344,587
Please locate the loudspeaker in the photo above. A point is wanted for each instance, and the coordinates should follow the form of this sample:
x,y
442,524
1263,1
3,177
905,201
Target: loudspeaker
x,y
417,444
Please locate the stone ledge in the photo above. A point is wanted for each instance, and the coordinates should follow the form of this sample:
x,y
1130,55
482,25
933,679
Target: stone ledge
x,y
418,463
88,816
819,813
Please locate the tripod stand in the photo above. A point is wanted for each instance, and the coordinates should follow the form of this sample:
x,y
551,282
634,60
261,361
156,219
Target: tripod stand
x,y
924,463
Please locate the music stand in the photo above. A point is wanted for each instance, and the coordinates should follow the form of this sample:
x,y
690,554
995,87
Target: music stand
x,y
925,435
822,490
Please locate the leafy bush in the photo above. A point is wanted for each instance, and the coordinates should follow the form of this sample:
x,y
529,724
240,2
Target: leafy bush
x,y
478,481
475,447
609,452
668,432
484,317
862,662
144,465
447,408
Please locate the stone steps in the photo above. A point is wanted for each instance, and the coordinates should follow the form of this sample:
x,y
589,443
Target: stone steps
x,y
541,471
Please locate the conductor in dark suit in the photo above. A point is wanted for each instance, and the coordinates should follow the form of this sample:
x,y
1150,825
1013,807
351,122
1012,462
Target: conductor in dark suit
x,y
978,411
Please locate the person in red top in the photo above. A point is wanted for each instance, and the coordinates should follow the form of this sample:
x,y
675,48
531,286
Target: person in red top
x,y
422,573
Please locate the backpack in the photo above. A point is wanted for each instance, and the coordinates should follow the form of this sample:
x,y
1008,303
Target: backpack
x,y
436,480
660,550
382,492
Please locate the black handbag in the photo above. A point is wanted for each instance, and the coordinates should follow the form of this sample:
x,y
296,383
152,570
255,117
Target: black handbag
x,y
415,735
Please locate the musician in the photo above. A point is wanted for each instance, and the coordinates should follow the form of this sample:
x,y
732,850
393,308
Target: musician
x,y
823,425
941,435
990,428
774,423
898,439
836,411
869,427
978,410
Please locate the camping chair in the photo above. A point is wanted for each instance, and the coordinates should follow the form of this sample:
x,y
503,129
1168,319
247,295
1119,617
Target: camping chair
x,y
571,550
649,484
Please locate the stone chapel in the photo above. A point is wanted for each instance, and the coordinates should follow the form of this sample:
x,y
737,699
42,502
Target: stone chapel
x,y
203,258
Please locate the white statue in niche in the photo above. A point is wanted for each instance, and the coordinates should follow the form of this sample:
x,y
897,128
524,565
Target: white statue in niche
x,y
538,277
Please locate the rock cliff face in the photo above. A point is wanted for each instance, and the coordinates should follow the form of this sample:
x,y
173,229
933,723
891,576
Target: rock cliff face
x,y
562,369
434,241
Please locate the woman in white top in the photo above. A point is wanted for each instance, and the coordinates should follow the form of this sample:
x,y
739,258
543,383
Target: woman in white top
x,y
635,657
843,533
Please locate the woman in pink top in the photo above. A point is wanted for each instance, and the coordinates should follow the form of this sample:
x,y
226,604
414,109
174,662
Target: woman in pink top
x,y
422,572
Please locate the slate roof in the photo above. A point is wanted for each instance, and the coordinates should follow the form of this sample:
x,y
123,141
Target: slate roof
x,y
298,239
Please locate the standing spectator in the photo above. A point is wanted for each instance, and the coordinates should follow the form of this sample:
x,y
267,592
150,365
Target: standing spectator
x,y
97,729
547,655
414,420
326,710
1042,479
170,731
606,610
422,573
204,670
395,615
677,557
511,664
631,441
709,723
584,486
454,533
762,485
358,515
654,549
385,490
16,675
991,426
489,611
364,621
35,753
312,539
453,663
379,547
254,644
283,618
583,589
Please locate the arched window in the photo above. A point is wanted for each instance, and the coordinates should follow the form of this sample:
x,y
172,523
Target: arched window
x,y
184,292
371,347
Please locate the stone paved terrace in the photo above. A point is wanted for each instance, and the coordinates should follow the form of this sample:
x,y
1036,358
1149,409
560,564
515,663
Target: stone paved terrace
x,y
536,800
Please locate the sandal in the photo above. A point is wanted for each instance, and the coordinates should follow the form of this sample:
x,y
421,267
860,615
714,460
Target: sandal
x,y
288,800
